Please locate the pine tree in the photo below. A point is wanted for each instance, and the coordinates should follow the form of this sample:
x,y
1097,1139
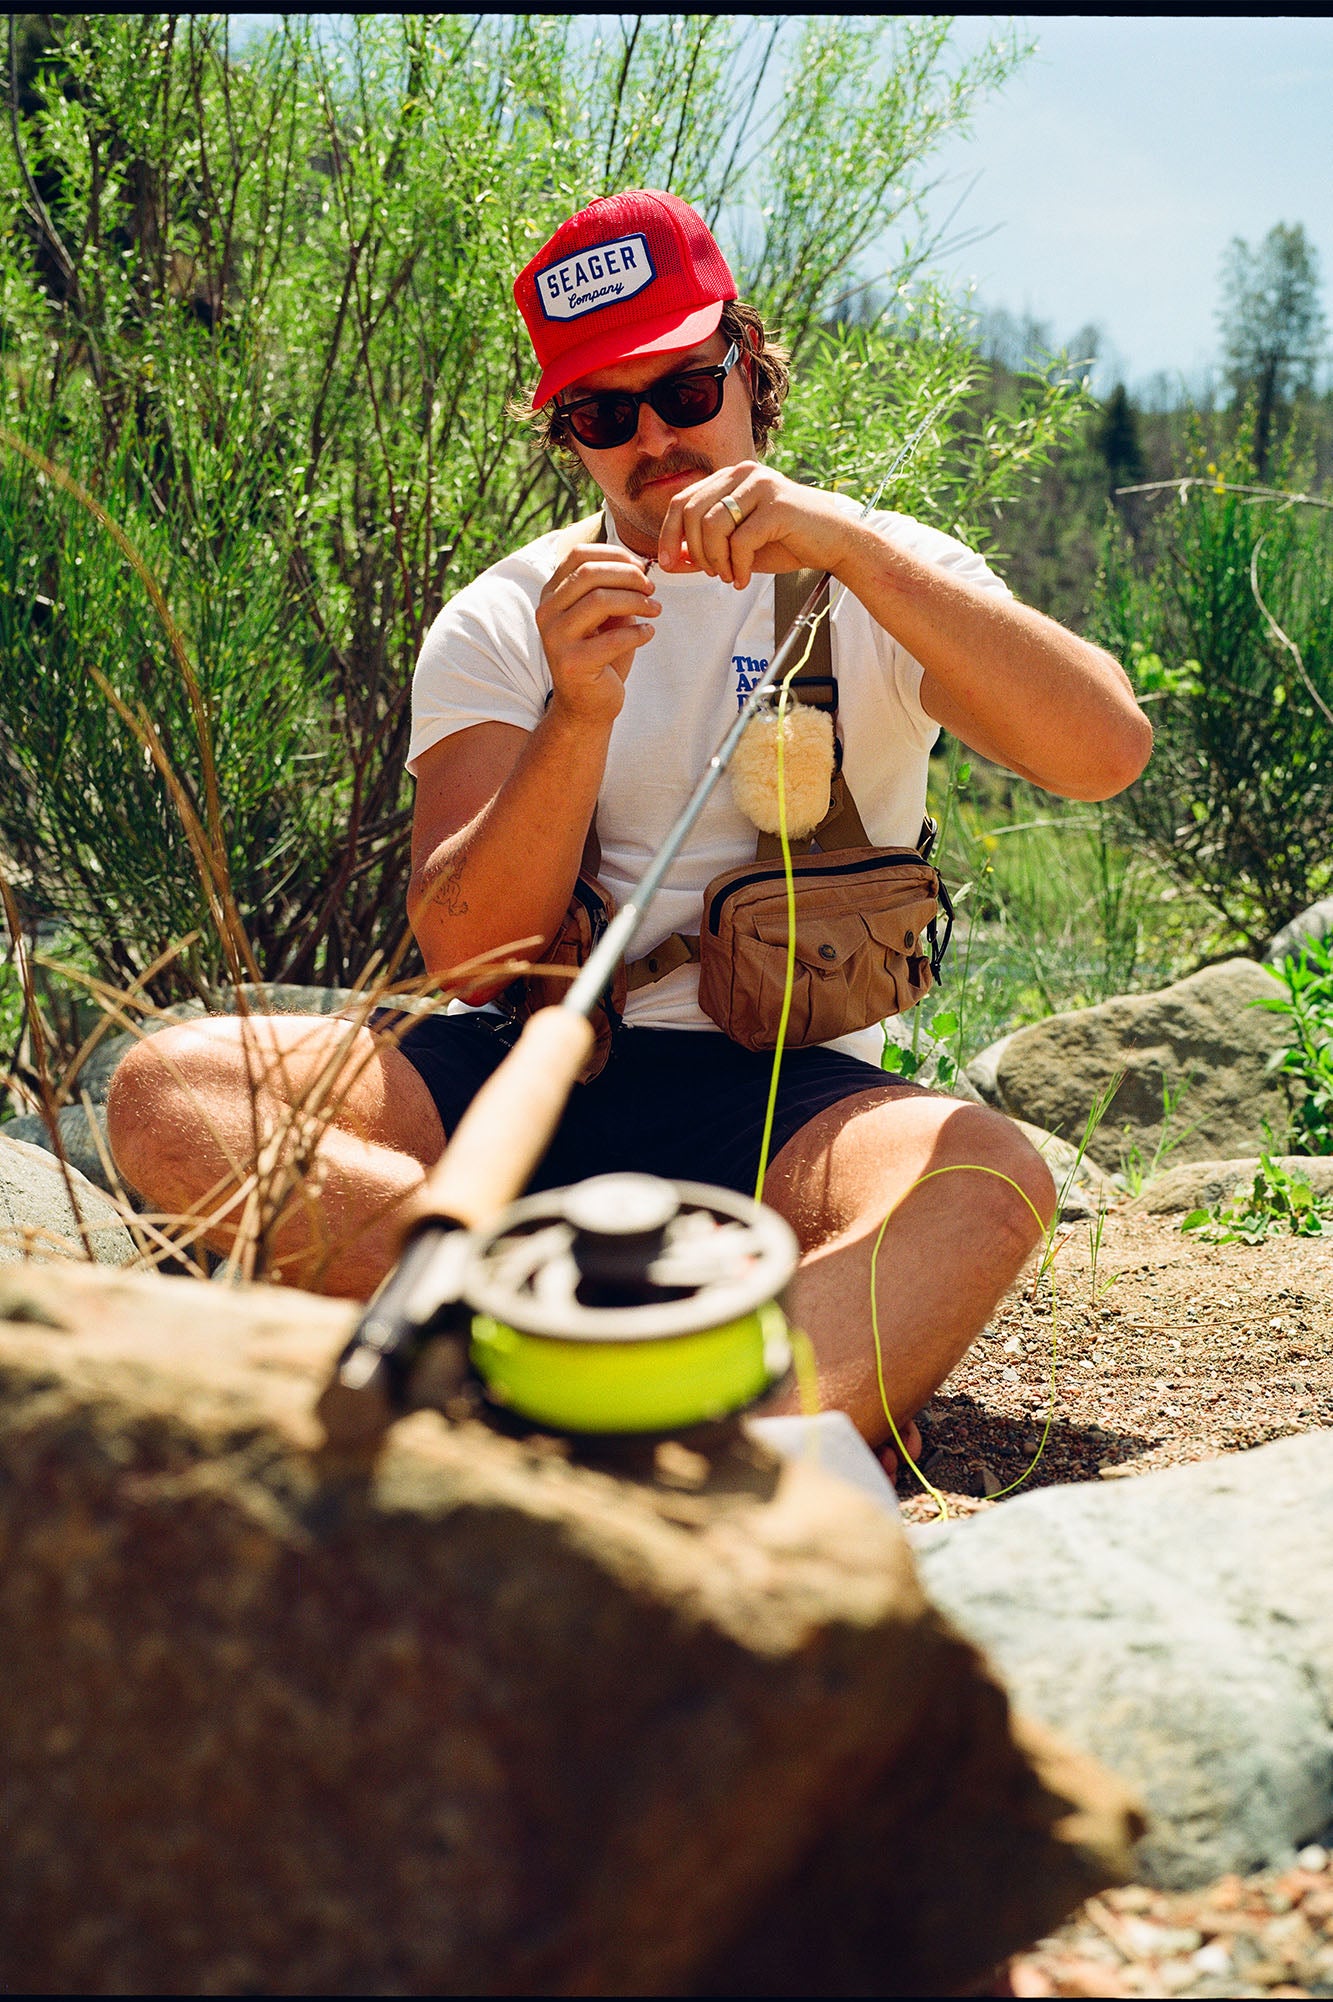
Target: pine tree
x,y
1118,439
1272,324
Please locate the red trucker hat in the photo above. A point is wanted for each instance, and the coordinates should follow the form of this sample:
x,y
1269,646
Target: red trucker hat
x,y
632,274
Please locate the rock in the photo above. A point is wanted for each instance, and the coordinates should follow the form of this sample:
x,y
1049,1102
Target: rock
x,y
1316,922
285,998
1083,1187
489,1716
1201,1032
983,1068
76,1137
1179,1627
1198,1184
37,1219
94,1076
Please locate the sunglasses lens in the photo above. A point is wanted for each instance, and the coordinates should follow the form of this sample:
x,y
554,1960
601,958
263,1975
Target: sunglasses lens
x,y
603,421
686,400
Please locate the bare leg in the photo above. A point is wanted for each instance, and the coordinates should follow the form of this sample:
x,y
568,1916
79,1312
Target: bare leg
x,y
950,1250
340,1124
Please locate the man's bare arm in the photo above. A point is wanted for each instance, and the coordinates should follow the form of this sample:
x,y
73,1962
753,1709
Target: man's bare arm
x,y
1011,683
1008,681
502,813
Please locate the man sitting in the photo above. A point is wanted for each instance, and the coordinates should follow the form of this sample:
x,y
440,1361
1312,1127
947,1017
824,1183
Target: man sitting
x,y
596,679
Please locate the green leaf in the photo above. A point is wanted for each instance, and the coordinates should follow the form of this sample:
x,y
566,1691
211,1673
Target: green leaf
x,y
944,1024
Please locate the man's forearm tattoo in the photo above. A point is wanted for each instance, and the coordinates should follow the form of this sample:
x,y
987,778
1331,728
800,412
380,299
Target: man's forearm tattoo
x,y
448,889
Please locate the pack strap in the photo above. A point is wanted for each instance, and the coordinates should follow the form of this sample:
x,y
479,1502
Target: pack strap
x,y
815,684
678,949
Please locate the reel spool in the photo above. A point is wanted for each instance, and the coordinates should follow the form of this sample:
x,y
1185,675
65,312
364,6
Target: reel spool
x,y
630,1304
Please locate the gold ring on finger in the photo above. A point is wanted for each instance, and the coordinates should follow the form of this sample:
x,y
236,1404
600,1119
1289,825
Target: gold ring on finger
x,y
734,509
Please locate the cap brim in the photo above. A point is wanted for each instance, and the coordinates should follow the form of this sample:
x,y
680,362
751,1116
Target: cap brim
x,y
651,337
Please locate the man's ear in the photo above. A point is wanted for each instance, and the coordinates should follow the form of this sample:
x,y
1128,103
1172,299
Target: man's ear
x,y
748,353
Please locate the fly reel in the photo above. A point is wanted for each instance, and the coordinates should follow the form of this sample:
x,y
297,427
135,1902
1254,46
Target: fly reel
x,y
629,1304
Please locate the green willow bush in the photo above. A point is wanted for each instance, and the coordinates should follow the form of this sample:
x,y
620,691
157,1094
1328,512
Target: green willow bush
x,y
1237,800
258,300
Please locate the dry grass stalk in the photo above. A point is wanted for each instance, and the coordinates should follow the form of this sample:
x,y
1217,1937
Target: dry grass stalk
x,y
259,1196
256,1197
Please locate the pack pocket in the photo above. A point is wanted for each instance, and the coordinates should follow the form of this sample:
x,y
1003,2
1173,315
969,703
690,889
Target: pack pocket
x,y
864,919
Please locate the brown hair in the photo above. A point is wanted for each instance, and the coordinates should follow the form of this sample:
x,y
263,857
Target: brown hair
x,y
766,367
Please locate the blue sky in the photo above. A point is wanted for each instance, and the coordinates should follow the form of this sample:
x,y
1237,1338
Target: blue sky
x,y
1115,167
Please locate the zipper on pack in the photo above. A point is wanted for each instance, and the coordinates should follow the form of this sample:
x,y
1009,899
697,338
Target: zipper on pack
x,y
912,861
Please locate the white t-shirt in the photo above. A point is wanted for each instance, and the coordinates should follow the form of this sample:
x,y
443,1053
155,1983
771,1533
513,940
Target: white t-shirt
x,y
483,662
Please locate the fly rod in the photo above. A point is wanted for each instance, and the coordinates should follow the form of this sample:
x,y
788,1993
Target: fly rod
x,y
508,1126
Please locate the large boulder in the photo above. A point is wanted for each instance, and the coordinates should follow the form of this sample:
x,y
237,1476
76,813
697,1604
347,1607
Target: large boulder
x,y
82,1136
38,1219
1201,1037
1316,922
484,1716
983,1072
1179,1627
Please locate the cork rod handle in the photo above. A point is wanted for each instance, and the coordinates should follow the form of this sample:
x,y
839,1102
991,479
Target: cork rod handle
x,y
508,1126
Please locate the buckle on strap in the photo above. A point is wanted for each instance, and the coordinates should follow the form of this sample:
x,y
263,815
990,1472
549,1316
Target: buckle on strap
x,y
676,950
938,948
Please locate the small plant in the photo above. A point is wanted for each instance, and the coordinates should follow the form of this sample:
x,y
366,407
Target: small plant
x,y
905,1060
1138,1167
1094,1255
1308,1059
1281,1202
1096,1113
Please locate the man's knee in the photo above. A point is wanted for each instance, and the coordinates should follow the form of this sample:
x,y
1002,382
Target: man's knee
x,y
1010,1183
161,1094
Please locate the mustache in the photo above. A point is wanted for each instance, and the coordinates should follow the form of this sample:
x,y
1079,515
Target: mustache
x,y
677,460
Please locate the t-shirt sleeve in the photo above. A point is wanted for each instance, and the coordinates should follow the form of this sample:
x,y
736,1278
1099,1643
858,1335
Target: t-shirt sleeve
x,y
931,545
481,662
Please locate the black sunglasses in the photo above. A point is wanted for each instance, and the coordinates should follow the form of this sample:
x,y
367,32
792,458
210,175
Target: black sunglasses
x,y
611,416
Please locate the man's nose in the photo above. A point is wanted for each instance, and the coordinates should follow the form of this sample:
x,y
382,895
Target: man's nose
x,y
655,437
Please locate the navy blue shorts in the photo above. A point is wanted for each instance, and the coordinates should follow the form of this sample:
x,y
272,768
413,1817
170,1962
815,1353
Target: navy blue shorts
x,y
685,1103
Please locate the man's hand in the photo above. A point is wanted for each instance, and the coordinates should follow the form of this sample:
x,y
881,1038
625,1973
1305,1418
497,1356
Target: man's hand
x,y
747,518
596,610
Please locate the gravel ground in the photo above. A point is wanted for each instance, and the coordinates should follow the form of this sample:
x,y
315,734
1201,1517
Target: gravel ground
x,y
1267,1935
1166,1350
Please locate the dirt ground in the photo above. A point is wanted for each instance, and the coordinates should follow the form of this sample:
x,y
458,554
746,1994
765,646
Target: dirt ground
x,y
1156,1350
1165,1350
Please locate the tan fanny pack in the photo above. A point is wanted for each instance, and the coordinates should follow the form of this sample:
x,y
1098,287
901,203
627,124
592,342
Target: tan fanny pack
x,y
864,917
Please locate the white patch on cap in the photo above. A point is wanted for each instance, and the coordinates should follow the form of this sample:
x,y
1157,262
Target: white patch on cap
x,y
591,279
